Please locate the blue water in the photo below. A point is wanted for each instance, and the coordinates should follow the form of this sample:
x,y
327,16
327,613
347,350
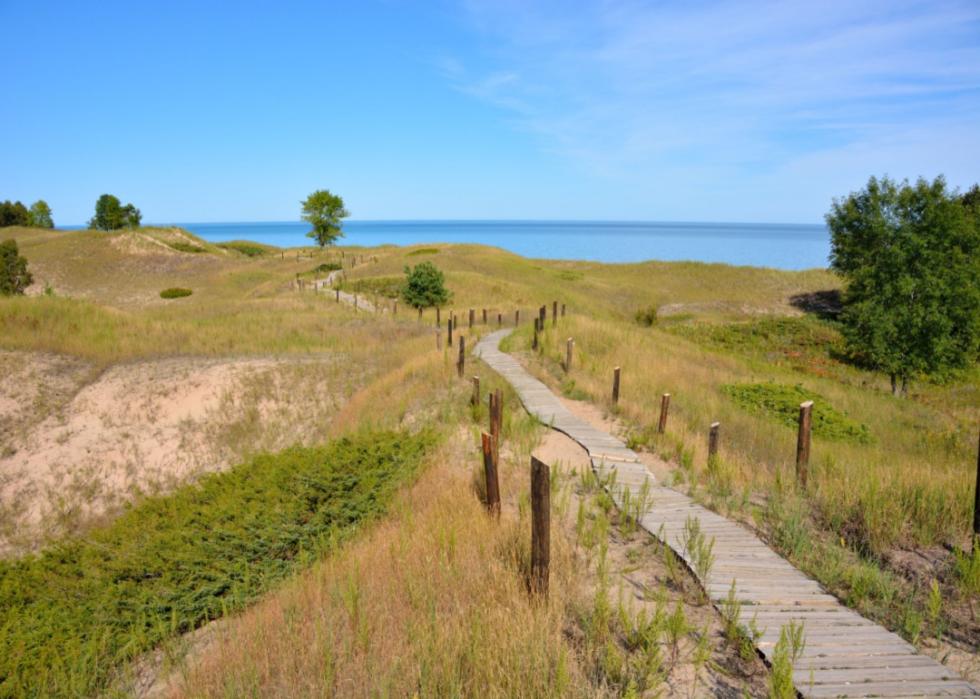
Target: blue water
x,y
784,246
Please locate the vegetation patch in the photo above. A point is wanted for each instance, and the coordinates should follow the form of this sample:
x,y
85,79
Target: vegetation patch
x,y
646,317
327,267
388,287
424,251
570,275
78,611
245,248
181,246
782,402
175,293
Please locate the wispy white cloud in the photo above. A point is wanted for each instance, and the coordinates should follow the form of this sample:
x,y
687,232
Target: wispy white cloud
x,y
711,91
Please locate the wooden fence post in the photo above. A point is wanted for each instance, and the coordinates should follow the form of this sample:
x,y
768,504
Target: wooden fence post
x,y
475,400
664,407
500,320
461,362
472,316
534,342
569,344
713,442
803,442
484,316
563,310
496,421
542,312
615,391
449,330
976,502
554,313
517,318
490,473
540,526
438,317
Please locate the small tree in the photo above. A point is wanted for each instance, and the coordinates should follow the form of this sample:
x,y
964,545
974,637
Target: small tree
x,y
14,214
325,212
111,215
911,257
425,286
41,215
14,277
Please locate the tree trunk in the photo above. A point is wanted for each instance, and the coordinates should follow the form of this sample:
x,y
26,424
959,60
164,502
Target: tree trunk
x,y
894,378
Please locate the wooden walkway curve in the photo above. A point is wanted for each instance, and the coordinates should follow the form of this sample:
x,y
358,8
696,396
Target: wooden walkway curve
x,y
845,655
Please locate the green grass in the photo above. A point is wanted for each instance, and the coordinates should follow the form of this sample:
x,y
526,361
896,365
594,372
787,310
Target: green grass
x,y
782,403
75,613
327,267
423,251
389,287
175,292
181,246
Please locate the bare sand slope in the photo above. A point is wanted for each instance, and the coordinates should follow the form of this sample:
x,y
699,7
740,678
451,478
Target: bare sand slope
x,y
75,443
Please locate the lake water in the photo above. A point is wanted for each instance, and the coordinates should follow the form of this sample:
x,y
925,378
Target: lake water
x,y
784,246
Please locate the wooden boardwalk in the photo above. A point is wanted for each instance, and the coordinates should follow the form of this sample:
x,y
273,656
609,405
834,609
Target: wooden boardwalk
x,y
845,654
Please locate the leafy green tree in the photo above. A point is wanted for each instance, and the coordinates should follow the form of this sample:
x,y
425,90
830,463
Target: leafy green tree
x,y
425,286
911,258
14,277
14,214
41,215
111,215
325,212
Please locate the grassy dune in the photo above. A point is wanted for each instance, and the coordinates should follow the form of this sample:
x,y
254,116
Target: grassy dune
x,y
447,584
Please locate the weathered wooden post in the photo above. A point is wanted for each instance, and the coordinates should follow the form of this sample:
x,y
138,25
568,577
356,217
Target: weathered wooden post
x,y
282,254
540,526
713,442
976,502
490,473
484,316
420,314
664,407
534,342
461,362
475,400
500,319
569,344
472,316
449,330
438,317
517,318
803,442
542,312
615,391
554,313
563,310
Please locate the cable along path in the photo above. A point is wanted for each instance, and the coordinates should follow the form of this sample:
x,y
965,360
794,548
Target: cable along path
x,y
845,655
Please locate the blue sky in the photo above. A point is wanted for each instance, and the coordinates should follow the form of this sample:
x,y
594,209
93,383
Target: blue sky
x,y
699,111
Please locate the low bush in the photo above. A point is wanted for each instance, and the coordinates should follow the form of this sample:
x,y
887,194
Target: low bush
x,y
77,612
175,293
181,246
783,403
327,267
646,316
247,249
424,251
389,287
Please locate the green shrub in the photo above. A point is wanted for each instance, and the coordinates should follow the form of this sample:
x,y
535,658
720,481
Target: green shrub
x,y
175,293
245,248
424,251
783,403
327,267
14,277
181,246
75,613
646,316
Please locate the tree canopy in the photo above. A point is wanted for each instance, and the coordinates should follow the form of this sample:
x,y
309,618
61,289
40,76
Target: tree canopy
x,y
41,215
911,258
14,214
111,215
425,286
14,277
325,212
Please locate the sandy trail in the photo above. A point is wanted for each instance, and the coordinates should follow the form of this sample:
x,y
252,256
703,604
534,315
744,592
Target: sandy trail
x,y
76,444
